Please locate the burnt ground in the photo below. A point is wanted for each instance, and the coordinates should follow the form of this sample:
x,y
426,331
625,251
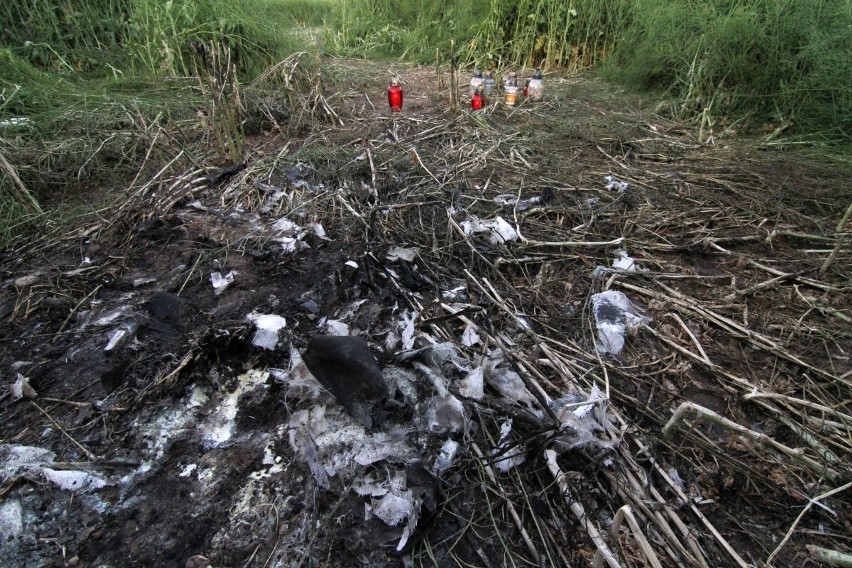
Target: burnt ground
x,y
187,444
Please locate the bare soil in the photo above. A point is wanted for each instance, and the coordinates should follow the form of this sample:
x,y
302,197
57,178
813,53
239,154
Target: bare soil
x,y
189,426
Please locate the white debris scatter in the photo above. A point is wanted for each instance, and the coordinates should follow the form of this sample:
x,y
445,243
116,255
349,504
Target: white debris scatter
x,y
510,200
624,262
158,437
187,470
11,522
333,327
472,386
615,318
399,253
383,445
331,441
21,388
394,508
613,183
197,397
445,458
112,316
272,462
72,480
507,455
219,426
299,381
506,381
406,325
445,414
500,231
470,337
268,325
286,227
351,264
119,336
17,460
221,282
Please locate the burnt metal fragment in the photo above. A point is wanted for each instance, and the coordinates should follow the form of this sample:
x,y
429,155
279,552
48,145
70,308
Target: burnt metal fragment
x,y
346,367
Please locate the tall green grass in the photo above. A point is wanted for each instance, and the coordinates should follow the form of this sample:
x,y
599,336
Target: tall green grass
x,y
783,60
550,33
115,37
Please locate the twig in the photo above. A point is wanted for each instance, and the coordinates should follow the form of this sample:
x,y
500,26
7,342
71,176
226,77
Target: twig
x,y
578,510
807,508
87,453
840,226
795,454
625,512
509,505
830,557
73,311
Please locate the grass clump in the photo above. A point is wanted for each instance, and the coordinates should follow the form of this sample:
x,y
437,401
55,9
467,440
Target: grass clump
x,y
409,30
779,60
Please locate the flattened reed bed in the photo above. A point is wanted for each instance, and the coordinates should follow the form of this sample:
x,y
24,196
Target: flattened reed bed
x,y
729,421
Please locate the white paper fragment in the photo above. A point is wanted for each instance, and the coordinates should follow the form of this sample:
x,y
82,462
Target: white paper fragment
x,y
594,396
118,337
444,459
457,294
187,470
510,384
624,262
384,445
111,316
399,253
615,318
351,263
472,386
319,231
333,327
407,330
613,183
291,244
445,414
21,388
500,231
285,227
506,455
511,200
393,508
268,325
143,281
71,480
221,282
470,337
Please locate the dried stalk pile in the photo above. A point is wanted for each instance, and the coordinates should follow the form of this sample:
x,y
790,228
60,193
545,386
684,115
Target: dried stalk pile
x,y
726,426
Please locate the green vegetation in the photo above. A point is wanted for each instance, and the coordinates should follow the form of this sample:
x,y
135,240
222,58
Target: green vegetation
x,y
93,92
781,60
784,61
